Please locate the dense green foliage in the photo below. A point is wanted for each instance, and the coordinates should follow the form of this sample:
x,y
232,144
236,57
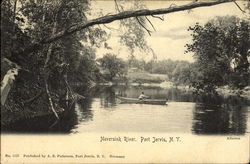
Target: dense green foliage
x,y
113,65
51,67
220,49
176,71
36,20
69,50
13,38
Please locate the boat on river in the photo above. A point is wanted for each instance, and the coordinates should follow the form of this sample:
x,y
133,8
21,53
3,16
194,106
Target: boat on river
x,y
143,101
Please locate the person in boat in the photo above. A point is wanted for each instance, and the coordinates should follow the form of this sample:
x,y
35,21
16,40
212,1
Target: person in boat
x,y
142,96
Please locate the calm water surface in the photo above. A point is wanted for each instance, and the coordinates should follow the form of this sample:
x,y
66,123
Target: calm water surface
x,y
185,112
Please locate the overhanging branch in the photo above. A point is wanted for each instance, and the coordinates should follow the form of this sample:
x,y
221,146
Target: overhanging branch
x,y
122,15
239,7
161,18
150,23
149,32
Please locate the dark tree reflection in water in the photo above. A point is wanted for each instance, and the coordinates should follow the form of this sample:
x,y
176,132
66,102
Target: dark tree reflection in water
x,y
219,119
107,97
83,110
186,112
208,115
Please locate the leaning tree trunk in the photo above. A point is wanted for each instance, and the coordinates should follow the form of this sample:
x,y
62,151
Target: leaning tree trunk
x,y
46,72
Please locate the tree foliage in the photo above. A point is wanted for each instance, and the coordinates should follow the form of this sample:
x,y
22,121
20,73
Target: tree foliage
x,y
133,34
13,38
177,71
50,67
114,65
54,41
71,49
221,48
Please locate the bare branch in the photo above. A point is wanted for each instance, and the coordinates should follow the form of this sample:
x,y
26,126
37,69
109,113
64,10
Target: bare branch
x,y
149,32
129,14
150,22
122,15
116,6
239,7
161,18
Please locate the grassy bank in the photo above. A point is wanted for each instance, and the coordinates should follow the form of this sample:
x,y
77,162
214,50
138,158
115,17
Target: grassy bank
x,y
145,77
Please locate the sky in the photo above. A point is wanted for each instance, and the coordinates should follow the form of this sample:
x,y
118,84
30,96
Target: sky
x,y
171,34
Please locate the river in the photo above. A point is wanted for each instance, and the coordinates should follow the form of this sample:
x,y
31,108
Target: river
x,y
184,113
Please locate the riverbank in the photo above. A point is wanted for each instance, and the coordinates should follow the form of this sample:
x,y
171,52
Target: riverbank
x,y
145,77
23,96
224,91
102,111
27,101
107,95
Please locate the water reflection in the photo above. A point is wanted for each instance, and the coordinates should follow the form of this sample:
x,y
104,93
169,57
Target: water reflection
x,y
83,110
209,115
107,97
219,119
44,124
185,113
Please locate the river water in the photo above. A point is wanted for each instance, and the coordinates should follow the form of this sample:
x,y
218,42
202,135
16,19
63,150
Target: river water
x,y
185,112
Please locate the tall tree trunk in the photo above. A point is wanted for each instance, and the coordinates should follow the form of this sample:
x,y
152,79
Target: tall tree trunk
x,y
14,12
46,72
13,21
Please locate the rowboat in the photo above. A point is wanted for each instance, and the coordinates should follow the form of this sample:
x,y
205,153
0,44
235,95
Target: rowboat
x,y
144,101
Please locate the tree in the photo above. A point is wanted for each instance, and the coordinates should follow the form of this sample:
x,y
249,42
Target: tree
x,y
114,65
132,34
52,41
13,39
49,67
110,18
220,48
181,72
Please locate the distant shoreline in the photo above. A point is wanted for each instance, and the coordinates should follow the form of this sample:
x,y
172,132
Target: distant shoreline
x,y
223,91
